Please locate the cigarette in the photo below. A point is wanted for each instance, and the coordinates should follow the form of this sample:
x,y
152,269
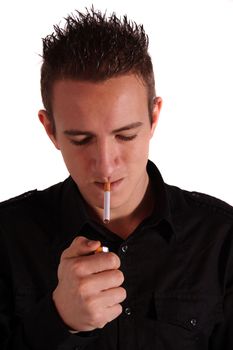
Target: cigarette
x,y
102,249
106,214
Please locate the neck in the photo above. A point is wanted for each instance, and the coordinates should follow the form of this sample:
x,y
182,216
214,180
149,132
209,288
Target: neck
x,y
124,223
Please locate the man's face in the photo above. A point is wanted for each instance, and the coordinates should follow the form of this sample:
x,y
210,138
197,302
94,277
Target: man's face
x,y
103,131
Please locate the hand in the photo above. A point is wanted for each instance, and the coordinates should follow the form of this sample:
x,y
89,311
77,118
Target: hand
x,y
88,294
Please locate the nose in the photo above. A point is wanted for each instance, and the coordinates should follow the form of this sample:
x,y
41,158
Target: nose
x,y
105,159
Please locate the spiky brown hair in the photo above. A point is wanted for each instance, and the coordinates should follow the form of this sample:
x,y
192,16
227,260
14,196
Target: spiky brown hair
x,y
94,47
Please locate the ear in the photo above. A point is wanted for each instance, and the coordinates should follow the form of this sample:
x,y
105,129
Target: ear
x,y
156,111
48,125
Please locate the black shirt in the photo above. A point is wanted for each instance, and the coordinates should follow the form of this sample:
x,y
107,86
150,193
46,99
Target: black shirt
x,y
177,264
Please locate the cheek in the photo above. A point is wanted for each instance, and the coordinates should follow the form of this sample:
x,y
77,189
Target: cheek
x,y
140,150
76,161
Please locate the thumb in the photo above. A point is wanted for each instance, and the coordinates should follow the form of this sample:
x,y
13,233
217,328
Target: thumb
x,y
80,246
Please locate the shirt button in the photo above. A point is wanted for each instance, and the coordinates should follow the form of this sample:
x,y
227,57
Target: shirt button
x,y
128,311
124,248
193,322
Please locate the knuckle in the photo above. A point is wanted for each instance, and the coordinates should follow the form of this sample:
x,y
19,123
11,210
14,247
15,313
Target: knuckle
x,y
101,325
96,314
115,313
90,306
63,254
119,276
120,295
78,240
123,293
119,309
114,261
97,319
79,268
83,289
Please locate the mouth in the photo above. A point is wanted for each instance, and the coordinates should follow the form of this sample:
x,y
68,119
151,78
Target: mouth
x,y
113,185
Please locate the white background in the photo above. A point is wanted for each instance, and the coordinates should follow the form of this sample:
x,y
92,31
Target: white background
x,y
191,44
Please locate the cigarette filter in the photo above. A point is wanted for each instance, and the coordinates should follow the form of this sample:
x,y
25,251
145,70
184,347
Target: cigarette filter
x,y
106,214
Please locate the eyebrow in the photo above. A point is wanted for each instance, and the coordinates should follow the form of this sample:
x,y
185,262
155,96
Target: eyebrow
x,y
75,132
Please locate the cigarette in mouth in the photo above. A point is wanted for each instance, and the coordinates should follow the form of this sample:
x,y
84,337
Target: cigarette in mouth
x,y
106,214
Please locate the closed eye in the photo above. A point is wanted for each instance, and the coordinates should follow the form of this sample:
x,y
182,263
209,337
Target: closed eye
x,y
88,139
126,138
81,142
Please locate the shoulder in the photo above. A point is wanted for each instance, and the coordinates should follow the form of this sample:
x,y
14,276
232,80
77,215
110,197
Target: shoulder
x,y
18,201
199,203
33,200
31,216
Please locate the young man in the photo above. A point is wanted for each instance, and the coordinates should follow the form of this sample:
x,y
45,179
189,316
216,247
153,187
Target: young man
x,y
167,280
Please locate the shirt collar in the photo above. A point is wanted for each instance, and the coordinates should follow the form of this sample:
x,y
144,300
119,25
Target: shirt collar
x,y
160,190
73,211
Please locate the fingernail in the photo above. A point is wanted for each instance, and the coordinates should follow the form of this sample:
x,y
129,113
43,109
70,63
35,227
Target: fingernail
x,y
90,243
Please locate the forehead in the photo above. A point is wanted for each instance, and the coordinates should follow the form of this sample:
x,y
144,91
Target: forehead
x,y
121,96
114,88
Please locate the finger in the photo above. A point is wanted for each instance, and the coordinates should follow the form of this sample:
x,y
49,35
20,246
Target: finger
x,y
79,247
107,280
98,282
111,297
104,315
95,263
113,312
101,318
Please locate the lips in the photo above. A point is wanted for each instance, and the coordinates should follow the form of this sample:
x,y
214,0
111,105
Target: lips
x,y
113,184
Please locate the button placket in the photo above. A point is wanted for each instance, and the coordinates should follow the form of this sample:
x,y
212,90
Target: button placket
x,y
123,250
